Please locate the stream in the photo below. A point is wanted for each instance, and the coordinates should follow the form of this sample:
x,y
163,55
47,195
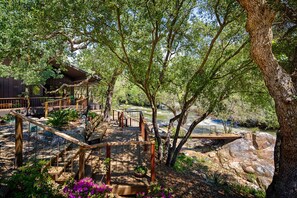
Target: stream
x,y
206,126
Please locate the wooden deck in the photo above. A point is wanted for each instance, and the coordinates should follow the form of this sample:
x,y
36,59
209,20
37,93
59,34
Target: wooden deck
x,y
211,136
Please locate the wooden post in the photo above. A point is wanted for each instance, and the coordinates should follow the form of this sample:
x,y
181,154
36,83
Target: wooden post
x,y
153,164
18,141
108,155
45,109
81,171
113,115
145,139
76,105
130,121
122,119
142,130
60,104
119,118
140,120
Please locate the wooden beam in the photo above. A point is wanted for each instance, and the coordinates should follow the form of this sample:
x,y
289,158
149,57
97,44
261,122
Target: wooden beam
x,y
108,156
18,142
50,129
153,164
81,171
210,136
45,109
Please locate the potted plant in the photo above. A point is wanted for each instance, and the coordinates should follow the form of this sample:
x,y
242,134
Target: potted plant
x,y
140,171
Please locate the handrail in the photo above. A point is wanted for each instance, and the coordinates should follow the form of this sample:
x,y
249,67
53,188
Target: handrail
x,y
76,141
46,104
80,100
58,100
50,129
82,146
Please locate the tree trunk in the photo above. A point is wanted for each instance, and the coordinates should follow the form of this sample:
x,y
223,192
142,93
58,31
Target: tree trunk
x,y
109,95
156,130
282,90
174,151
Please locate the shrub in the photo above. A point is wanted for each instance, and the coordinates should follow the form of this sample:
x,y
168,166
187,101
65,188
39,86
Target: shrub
x,y
30,180
72,114
140,170
86,188
58,119
156,191
247,191
92,114
7,117
183,162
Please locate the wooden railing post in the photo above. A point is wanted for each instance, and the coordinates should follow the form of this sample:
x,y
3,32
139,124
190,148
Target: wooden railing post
x,y
119,118
45,109
60,104
140,120
76,105
153,164
113,115
81,172
142,130
18,141
145,138
130,121
108,156
122,119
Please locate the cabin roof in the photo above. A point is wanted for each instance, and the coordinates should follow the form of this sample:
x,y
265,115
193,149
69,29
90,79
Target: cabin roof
x,y
75,74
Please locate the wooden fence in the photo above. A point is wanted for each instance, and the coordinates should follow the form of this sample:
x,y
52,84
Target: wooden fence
x,y
59,103
82,150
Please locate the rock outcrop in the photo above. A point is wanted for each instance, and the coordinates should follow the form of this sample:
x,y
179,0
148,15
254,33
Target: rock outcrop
x,y
251,157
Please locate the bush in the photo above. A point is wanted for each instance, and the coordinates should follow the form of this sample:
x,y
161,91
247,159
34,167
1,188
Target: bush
x,y
7,117
72,114
92,114
183,162
30,181
156,191
58,119
86,188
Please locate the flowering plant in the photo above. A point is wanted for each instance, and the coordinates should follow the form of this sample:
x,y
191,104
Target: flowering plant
x,y
156,191
86,188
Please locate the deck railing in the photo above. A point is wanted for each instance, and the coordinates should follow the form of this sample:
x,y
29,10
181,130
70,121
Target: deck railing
x,y
126,118
59,104
23,102
81,104
67,155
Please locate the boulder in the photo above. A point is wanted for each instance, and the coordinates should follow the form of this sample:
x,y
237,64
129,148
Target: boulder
x,y
263,140
250,156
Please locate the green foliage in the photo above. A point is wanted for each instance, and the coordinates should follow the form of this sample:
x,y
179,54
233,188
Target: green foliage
x,y
23,45
142,170
92,114
7,117
31,181
247,191
156,190
72,114
58,119
183,162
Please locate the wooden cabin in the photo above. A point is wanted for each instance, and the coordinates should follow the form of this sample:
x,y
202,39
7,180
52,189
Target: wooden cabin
x,y
15,95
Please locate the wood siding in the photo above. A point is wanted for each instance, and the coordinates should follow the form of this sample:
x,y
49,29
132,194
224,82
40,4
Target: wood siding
x,y
10,87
